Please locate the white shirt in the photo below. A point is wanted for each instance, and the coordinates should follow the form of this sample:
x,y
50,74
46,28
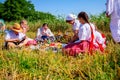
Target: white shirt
x,y
85,31
48,31
11,35
113,8
76,25
99,39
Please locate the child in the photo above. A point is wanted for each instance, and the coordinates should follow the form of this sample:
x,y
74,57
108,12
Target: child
x,y
44,33
15,37
86,37
100,41
24,26
71,19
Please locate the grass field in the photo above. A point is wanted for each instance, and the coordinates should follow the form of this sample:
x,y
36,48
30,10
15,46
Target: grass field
x,y
26,64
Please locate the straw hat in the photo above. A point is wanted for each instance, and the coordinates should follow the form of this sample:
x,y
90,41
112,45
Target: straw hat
x,y
70,17
16,27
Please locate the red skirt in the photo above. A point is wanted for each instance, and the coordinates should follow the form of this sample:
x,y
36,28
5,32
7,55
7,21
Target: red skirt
x,y
76,48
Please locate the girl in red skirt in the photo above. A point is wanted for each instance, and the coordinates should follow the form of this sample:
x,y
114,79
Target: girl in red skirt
x,y
86,37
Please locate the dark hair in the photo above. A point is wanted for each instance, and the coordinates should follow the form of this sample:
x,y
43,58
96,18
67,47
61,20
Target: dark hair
x,y
84,16
45,24
68,21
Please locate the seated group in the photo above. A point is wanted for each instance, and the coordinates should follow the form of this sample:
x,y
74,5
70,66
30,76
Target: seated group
x,y
86,37
16,36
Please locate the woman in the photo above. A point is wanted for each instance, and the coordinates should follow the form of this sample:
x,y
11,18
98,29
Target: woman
x,y
113,10
86,37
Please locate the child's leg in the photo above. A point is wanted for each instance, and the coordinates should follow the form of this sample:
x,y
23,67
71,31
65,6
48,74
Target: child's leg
x,y
23,43
11,45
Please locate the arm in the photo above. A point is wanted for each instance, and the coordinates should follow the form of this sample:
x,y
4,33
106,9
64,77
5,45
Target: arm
x,y
38,33
22,37
109,7
75,30
49,33
43,33
75,37
12,40
18,39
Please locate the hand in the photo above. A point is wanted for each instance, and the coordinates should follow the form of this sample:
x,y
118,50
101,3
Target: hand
x,y
107,15
16,40
39,37
43,33
24,37
47,35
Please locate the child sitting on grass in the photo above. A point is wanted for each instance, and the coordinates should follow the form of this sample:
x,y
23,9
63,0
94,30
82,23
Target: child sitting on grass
x,y
44,33
71,19
100,40
15,37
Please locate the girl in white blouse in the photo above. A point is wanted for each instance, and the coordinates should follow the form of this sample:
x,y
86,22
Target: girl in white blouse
x,y
86,37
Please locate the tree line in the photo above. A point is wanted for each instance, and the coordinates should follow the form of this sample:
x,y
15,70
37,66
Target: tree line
x,y
21,9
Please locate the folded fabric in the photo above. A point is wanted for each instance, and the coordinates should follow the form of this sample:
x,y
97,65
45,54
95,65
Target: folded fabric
x,y
31,42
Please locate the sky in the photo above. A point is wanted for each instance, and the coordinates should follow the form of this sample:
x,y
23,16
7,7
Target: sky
x,y
65,7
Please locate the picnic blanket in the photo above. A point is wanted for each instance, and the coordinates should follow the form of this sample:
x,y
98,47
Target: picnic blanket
x,y
55,46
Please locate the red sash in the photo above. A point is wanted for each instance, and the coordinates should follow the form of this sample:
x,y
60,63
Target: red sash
x,y
100,45
91,42
103,35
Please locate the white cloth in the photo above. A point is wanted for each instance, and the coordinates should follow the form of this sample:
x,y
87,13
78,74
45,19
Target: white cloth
x,y
11,35
76,25
113,9
71,17
85,31
99,39
41,30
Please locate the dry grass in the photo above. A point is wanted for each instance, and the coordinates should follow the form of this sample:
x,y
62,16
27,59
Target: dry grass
x,y
25,64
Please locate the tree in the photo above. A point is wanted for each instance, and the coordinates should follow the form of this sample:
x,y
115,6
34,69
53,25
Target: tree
x,y
16,9
1,9
37,15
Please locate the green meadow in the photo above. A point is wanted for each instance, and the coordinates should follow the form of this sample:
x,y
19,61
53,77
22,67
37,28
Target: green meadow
x,y
27,64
